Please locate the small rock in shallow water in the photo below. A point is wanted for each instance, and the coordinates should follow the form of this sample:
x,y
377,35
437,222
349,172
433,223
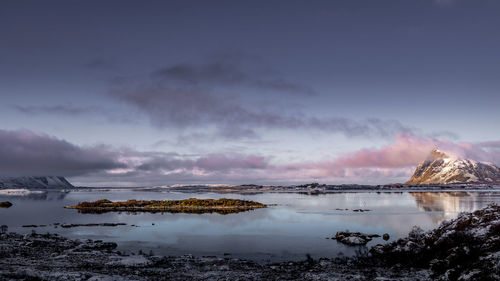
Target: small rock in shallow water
x,y
352,238
386,236
5,204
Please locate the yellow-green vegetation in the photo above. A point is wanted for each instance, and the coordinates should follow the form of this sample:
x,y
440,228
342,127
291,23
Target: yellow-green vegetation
x,y
5,204
191,205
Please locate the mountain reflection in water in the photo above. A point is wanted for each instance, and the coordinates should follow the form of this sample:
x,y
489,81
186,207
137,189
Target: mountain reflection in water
x,y
449,204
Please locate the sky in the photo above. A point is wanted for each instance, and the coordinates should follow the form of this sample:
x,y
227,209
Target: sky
x,y
141,93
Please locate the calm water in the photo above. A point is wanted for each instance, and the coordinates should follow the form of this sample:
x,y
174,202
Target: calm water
x,y
297,225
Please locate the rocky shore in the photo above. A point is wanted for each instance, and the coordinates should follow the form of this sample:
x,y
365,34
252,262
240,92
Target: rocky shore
x,y
466,248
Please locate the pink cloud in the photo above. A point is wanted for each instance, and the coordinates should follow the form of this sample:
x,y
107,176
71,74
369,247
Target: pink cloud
x,y
407,150
393,162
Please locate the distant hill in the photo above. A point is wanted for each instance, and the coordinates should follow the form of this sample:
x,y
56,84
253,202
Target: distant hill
x,y
441,168
35,183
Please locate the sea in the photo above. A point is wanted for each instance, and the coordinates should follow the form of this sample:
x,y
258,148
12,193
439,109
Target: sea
x,y
294,224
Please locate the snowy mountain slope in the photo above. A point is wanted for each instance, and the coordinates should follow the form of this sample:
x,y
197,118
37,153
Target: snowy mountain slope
x,y
35,182
440,168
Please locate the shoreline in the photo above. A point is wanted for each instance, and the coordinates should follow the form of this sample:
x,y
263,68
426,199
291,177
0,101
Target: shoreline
x,y
52,257
465,248
20,192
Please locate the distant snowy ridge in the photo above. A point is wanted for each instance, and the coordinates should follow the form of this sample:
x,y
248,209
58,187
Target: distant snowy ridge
x,y
34,183
441,168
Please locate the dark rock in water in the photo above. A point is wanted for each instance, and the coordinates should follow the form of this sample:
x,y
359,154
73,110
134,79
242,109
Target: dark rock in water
x,y
91,224
353,238
361,210
386,236
5,204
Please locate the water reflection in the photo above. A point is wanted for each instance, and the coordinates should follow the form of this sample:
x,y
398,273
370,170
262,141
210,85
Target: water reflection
x,y
294,224
42,195
446,205
171,211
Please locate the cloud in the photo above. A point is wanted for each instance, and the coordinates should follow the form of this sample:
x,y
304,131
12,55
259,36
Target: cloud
x,y
35,154
26,153
207,163
210,98
228,72
29,153
408,150
236,96
489,144
182,107
57,109
394,162
73,110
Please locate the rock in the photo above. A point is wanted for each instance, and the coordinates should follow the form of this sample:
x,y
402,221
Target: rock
x,y
52,257
466,246
5,204
386,236
90,224
361,210
352,238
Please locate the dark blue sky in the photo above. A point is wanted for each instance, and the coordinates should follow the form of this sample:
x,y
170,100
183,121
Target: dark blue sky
x,y
282,81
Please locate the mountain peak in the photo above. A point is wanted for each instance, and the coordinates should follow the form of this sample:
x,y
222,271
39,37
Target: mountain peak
x,y
441,168
437,154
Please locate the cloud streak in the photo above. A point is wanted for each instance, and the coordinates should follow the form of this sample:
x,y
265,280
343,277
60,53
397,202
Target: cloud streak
x,y
57,109
228,73
69,110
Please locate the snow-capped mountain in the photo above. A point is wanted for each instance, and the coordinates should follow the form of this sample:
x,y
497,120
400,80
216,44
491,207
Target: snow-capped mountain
x,y
35,183
441,168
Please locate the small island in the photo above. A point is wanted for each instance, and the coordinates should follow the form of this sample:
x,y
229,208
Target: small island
x,y
5,204
191,205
